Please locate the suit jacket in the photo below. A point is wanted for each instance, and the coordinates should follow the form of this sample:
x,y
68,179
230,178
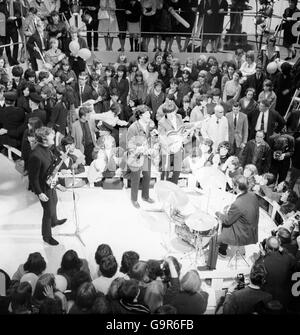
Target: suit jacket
x,y
292,123
123,89
240,134
77,134
257,84
35,38
12,119
58,117
275,123
240,224
86,94
263,159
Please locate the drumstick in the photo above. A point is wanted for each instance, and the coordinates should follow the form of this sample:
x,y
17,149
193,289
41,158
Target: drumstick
x,y
179,18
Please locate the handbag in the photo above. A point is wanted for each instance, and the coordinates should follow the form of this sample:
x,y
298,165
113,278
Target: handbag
x,y
103,14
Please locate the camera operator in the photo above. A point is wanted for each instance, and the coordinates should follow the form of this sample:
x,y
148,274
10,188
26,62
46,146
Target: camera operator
x,y
279,266
286,241
247,299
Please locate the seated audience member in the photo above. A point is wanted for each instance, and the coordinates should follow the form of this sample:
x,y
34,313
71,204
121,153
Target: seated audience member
x,y
129,259
185,295
108,271
248,299
138,89
155,98
102,251
79,278
231,168
85,298
255,81
258,153
35,264
249,66
288,202
21,300
279,266
274,192
185,110
222,154
128,294
44,286
101,305
268,94
71,264
51,306
169,105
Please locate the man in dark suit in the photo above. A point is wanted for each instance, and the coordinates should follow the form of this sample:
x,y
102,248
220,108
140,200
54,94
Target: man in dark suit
x,y
40,160
255,81
36,45
266,120
90,17
293,123
12,122
34,103
83,91
237,129
240,223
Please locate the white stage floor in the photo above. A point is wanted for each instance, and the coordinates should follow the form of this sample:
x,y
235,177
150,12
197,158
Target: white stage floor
x,y
105,216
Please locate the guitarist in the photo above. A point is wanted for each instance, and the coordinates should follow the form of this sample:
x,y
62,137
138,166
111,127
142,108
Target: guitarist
x,y
138,146
41,159
171,152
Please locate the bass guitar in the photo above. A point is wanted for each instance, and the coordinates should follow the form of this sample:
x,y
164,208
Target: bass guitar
x,y
52,174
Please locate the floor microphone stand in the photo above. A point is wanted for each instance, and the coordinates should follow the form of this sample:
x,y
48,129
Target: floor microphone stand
x,y
77,230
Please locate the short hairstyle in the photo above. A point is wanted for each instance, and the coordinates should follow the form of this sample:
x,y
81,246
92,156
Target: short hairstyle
x,y
268,83
54,13
17,71
158,82
154,295
191,282
128,290
65,61
250,54
236,104
101,305
129,258
42,133
258,275
174,81
186,98
78,279
284,235
154,269
83,111
208,142
235,161
43,75
108,266
143,56
86,296
241,183
239,52
252,168
216,92
272,243
70,261
140,110
82,74
66,141
113,291
35,122
29,73
265,102
102,251
139,271
53,40
250,89
35,263
111,69
230,64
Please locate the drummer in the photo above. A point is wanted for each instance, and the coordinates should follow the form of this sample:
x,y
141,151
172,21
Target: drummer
x,y
172,155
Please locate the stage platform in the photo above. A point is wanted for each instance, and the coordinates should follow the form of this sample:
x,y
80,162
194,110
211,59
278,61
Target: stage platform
x,y
105,216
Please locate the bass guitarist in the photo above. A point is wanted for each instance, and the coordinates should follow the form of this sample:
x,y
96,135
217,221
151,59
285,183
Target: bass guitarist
x,y
40,161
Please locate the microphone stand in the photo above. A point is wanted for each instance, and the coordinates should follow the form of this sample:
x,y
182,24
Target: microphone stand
x,y
77,230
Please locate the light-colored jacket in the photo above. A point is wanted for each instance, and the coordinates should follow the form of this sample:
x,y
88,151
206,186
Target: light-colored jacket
x,y
240,134
77,133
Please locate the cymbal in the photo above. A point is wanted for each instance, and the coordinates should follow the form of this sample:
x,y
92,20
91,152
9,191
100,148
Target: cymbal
x,y
201,221
211,177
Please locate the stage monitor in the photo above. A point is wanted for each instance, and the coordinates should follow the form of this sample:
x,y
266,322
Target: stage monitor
x,y
278,218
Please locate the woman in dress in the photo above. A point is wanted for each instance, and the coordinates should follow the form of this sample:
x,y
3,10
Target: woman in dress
x,y
248,104
148,21
249,66
227,75
232,89
138,89
54,55
150,76
268,94
133,12
58,29
269,52
108,24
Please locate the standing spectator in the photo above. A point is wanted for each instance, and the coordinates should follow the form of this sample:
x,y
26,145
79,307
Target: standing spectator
x,y
295,169
248,104
138,89
122,22
288,38
214,77
108,24
92,24
239,58
249,66
237,129
269,52
279,265
155,98
266,120
268,94
42,10
257,152
150,76
30,22
164,75
148,21
214,12
255,81
99,93
175,69
228,75
232,88
133,11
84,134
83,91
216,128
120,82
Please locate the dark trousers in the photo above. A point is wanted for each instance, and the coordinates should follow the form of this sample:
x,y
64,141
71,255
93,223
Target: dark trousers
x,y
88,150
295,175
49,212
171,163
135,182
12,35
92,27
280,168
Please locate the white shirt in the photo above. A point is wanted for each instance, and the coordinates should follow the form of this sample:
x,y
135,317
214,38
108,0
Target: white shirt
x,y
102,284
216,130
172,119
258,123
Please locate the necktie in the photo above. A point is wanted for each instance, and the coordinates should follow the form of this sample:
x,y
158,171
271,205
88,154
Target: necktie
x,y
234,122
262,125
81,90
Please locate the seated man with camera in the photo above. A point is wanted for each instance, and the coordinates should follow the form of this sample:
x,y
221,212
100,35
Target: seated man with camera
x,y
241,299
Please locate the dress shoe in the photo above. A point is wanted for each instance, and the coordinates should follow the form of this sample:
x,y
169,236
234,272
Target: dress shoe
x,y
294,53
135,204
50,240
222,255
59,222
95,49
149,200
